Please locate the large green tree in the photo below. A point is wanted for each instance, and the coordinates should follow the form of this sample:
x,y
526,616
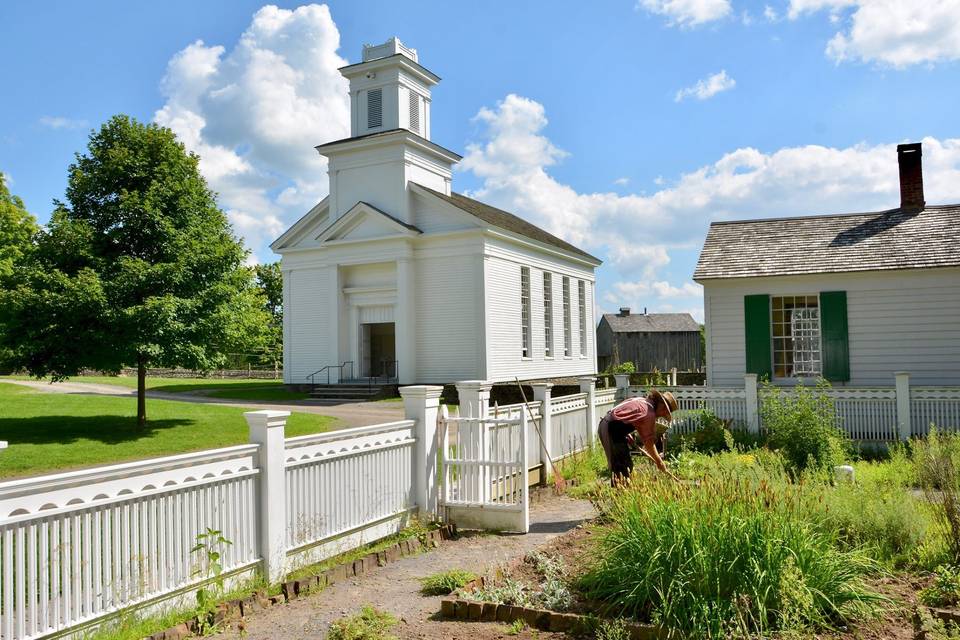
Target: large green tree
x,y
17,231
270,283
139,267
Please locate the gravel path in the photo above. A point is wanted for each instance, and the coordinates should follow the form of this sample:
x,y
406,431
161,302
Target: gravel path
x,y
354,414
395,588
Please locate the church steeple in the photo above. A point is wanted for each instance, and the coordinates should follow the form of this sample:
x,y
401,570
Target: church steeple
x,y
389,90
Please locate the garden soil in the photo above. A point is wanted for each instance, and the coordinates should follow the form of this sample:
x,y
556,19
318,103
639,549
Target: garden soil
x,y
395,588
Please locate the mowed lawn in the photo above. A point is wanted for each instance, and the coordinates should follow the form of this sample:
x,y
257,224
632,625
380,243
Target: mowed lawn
x,y
50,432
236,389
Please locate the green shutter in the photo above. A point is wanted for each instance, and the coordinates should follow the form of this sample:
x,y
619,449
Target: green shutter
x,y
756,322
833,329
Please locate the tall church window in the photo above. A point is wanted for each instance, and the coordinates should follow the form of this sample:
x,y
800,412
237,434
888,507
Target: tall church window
x,y
548,314
525,310
582,314
567,337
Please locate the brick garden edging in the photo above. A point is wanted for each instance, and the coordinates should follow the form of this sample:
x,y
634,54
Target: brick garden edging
x,y
924,616
239,608
459,609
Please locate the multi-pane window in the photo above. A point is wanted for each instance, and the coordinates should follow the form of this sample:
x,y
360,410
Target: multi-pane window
x,y
374,108
567,338
548,314
582,314
796,336
525,310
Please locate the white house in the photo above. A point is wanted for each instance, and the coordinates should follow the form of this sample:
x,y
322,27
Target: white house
x,y
854,298
395,274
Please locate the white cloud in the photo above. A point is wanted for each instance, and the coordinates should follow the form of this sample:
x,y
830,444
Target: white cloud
x,y
637,234
707,88
770,13
622,182
61,122
255,112
687,13
889,32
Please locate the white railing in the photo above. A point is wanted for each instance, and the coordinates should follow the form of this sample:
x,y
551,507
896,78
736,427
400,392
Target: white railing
x,y
340,481
75,547
937,406
866,414
481,464
534,421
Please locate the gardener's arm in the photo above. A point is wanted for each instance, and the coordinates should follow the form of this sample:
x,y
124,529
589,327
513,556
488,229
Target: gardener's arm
x,y
650,448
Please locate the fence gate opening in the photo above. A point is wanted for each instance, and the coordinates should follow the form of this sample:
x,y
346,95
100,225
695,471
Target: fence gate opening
x,y
484,477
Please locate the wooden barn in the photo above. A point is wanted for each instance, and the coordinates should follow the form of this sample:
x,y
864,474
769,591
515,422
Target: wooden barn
x,y
649,340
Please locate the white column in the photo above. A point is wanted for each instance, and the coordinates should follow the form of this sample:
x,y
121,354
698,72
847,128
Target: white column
x,y
623,385
267,430
753,402
673,377
333,324
903,403
406,322
588,385
474,398
542,393
421,404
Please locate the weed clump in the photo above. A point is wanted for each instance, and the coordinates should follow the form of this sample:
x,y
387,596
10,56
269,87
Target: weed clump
x,y
801,425
369,624
443,583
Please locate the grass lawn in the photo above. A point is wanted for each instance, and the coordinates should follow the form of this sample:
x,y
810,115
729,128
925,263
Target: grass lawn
x,y
51,432
237,389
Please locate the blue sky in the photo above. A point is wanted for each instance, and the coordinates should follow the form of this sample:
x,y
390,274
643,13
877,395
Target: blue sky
x,y
625,127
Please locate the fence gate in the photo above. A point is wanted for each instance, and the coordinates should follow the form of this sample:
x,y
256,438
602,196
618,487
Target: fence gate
x,y
484,476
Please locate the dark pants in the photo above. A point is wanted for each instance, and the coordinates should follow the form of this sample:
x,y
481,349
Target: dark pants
x,y
613,438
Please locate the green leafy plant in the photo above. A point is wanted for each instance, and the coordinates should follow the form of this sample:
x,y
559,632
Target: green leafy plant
x,y
209,546
369,624
802,425
515,628
623,367
554,592
612,630
945,589
936,462
508,591
440,584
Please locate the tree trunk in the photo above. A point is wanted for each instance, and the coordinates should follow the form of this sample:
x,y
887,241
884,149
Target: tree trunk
x,y
141,392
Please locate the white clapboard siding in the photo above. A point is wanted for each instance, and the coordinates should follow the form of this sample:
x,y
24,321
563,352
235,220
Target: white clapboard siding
x,y
898,321
307,322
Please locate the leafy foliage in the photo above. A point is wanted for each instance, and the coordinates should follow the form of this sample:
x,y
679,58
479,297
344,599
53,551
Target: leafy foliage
x,y
945,589
369,624
139,267
937,465
801,425
440,584
17,230
209,546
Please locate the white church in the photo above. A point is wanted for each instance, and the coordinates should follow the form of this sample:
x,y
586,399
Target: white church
x,y
395,275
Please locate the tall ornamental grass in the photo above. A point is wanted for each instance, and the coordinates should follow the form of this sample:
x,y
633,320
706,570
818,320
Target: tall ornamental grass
x,y
732,556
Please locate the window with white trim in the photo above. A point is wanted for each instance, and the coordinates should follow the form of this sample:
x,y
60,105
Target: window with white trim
x,y
548,314
525,311
374,108
796,336
567,337
582,314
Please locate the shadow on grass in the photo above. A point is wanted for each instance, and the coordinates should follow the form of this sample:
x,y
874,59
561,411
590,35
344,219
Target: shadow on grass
x,y
108,429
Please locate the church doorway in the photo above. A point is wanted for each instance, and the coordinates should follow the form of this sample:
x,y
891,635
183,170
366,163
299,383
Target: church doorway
x,y
378,349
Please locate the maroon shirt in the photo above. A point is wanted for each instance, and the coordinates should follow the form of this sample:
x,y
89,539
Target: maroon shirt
x,y
639,414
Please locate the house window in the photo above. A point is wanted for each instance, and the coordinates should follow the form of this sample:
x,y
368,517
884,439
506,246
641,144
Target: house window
x,y
525,310
582,314
567,338
796,336
548,314
374,108
414,112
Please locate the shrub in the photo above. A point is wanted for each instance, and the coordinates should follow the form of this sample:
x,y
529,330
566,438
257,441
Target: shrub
x,y
945,590
369,624
554,593
936,462
733,555
440,584
801,425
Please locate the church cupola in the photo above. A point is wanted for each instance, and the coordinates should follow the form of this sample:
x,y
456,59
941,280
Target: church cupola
x,y
389,90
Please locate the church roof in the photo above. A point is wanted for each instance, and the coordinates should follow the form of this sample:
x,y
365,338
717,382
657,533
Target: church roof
x,y
507,221
388,133
883,240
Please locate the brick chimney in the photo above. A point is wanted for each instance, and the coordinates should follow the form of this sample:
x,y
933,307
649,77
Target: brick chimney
x,y
911,175
624,312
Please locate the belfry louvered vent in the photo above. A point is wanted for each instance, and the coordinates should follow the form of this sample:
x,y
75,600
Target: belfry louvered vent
x,y
414,112
374,108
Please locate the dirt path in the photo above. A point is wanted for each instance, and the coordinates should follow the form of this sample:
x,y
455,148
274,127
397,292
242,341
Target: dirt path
x,y
357,414
396,587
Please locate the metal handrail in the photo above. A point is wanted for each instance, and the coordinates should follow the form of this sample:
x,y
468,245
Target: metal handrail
x,y
328,369
385,375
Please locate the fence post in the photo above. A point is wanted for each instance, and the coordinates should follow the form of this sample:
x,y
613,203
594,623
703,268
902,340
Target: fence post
x,y
752,401
474,398
421,403
267,430
588,385
903,403
673,377
623,385
542,393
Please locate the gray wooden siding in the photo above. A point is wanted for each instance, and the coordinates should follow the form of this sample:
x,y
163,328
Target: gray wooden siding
x,y
647,351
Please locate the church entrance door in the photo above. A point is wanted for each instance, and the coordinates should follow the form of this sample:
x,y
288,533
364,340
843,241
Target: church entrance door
x,y
379,349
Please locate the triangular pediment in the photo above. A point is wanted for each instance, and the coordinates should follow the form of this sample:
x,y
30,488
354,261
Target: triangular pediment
x,y
304,230
365,222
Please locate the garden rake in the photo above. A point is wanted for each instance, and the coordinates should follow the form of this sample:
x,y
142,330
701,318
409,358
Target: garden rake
x,y
558,482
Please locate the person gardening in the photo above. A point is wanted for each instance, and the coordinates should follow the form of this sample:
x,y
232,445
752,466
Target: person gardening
x,y
635,415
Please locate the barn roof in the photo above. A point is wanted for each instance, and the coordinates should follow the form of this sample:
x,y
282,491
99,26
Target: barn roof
x,y
651,322
882,240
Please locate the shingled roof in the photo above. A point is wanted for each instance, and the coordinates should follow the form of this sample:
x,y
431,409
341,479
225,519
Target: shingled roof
x,y
884,240
651,322
505,220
